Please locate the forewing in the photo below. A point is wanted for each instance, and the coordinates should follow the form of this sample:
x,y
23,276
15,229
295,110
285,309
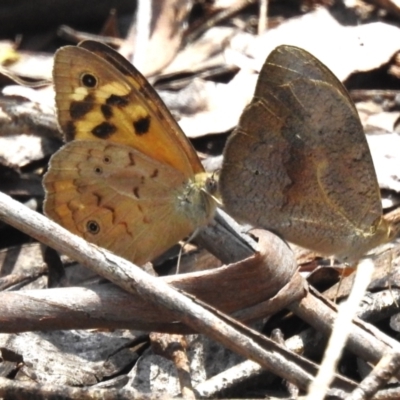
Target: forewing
x,y
99,95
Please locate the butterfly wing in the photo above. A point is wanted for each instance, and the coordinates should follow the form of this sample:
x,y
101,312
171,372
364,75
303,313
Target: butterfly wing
x,y
100,95
120,199
302,159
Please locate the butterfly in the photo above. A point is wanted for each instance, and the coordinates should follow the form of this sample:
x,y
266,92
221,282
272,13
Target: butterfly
x,y
298,162
128,179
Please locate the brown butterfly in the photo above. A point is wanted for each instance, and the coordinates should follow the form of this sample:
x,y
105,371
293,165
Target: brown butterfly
x,y
299,164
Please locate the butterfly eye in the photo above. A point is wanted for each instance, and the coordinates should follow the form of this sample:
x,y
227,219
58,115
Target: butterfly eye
x,y
107,160
93,227
211,185
98,170
88,80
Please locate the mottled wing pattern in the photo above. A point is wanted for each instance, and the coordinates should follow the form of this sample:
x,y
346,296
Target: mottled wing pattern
x,y
298,162
118,198
128,180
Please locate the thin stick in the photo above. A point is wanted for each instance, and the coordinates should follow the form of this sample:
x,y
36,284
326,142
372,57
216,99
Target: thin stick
x,y
262,20
143,21
234,335
341,330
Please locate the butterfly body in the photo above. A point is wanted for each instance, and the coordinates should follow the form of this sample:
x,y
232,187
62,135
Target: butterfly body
x,y
302,160
128,180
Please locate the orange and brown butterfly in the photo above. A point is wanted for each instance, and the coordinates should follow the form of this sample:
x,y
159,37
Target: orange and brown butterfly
x,y
128,179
